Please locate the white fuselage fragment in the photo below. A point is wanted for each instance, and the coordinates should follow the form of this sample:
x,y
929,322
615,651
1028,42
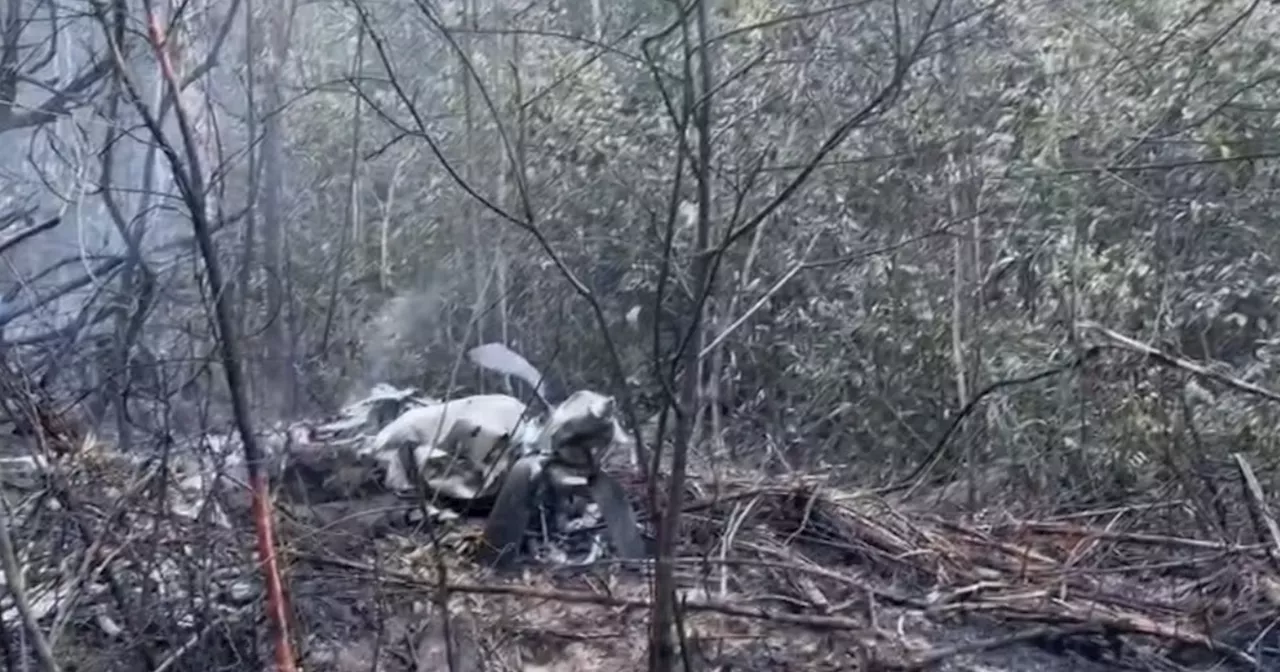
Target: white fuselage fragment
x,y
496,415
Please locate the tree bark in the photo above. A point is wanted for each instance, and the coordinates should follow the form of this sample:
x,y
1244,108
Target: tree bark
x,y
662,652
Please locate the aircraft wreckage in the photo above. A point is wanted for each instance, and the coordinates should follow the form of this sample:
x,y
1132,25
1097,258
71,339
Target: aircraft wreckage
x,y
534,473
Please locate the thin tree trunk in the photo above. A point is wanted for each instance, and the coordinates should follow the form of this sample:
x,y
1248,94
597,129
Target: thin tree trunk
x,y
351,227
248,239
958,361
190,181
384,241
662,654
505,192
274,229
469,215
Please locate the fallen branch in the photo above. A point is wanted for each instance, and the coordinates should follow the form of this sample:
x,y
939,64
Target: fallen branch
x,y
601,599
1263,521
1131,537
1182,363
942,654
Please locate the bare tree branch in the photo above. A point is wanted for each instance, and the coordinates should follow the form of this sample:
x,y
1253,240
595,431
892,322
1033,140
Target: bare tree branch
x,y
17,587
31,232
190,182
59,103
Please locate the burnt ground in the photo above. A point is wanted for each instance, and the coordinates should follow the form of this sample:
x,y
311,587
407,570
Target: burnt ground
x,y
782,576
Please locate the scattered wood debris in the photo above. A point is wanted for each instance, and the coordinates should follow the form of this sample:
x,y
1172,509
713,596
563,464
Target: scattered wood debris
x,y
773,576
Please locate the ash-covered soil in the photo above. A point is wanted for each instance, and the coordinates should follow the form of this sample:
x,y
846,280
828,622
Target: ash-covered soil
x,y
772,576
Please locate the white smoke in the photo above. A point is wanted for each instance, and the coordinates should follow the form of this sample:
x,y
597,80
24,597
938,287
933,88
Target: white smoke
x,y
398,338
